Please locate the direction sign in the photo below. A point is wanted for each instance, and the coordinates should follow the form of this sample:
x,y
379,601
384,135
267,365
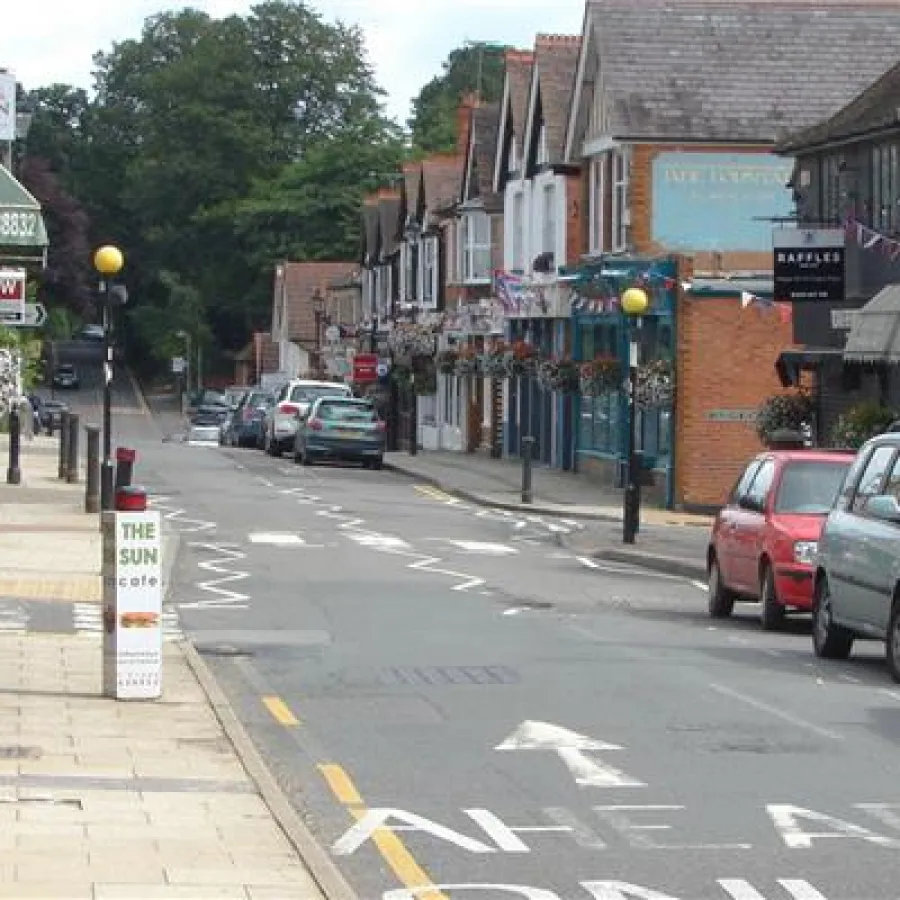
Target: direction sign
x,y
12,294
34,316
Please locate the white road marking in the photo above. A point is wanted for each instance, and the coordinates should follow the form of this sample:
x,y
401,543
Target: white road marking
x,y
588,562
570,747
700,585
278,540
488,549
791,718
225,597
378,541
265,482
176,515
894,695
850,679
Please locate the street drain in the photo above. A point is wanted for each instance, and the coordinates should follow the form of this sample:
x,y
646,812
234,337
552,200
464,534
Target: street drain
x,y
223,650
16,752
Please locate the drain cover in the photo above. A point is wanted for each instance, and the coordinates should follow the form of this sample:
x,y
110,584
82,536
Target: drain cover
x,y
21,752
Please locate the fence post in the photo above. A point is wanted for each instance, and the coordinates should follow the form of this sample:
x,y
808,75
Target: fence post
x,y
92,477
72,451
14,473
63,443
527,453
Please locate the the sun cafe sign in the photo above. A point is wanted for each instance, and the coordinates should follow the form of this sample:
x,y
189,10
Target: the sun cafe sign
x,y
132,605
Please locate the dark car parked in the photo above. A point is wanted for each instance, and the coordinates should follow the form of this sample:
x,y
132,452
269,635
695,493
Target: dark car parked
x,y
243,427
65,376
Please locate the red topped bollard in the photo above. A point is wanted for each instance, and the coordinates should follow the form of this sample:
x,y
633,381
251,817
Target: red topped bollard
x,y
125,458
130,498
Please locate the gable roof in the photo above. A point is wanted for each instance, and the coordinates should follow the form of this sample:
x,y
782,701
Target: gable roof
x,y
874,109
553,81
409,192
299,282
371,232
719,70
513,106
389,226
441,176
478,171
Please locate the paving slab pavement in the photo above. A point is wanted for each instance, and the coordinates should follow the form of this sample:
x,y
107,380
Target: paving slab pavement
x,y
116,800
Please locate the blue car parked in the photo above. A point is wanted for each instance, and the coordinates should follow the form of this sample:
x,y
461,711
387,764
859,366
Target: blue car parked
x,y
244,425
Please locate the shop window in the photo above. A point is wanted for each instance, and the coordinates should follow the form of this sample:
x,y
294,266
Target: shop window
x,y
548,224
620,211
518,232
596,205
884,172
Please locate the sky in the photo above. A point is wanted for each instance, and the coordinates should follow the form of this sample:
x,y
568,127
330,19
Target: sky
x,y
407,40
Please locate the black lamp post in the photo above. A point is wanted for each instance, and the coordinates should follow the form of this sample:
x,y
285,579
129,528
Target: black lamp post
x,y
318,304
635,303
108,262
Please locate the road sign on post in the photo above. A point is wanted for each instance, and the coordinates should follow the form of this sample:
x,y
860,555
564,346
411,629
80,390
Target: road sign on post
x,y
12,296
33,315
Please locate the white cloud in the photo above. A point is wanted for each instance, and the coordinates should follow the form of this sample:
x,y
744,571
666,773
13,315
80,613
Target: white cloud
x,y
54,40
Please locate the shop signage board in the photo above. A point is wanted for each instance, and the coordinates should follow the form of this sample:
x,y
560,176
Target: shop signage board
x,y
808,264
132,605
732,415
12,295
365,368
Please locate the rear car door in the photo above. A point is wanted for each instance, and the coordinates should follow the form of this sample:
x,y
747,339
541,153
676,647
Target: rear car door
x,y
750,520
725,535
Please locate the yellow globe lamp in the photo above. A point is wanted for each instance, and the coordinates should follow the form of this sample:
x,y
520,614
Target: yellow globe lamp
x,y
108,260
635,302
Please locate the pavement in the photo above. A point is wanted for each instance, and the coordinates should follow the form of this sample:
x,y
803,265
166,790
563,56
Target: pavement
x,y
669,541
105,799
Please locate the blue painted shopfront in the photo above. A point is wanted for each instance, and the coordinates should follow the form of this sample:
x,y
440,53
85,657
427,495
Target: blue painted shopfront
x,y
600,329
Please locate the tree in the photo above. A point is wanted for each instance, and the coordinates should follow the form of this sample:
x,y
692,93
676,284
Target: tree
x,y
473,68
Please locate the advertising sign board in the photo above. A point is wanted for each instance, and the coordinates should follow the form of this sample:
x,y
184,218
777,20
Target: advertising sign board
x,y
808,264
12,295
132,605
365,368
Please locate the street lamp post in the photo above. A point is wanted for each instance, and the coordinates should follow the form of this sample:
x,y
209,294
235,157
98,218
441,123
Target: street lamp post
x,y
634,305
188,366
318,304
108,262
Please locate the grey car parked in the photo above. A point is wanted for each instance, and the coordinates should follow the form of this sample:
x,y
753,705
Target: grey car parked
x,y
857,587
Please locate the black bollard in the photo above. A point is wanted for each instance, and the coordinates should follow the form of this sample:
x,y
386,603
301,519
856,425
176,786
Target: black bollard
x,y
92,477
63,442
14,473
125,457
72,451
527,453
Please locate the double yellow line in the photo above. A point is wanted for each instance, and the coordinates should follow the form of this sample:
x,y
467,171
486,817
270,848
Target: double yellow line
x,y
391,848
435,493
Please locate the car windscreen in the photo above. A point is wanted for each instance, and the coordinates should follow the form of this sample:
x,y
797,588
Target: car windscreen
x,y
809,487
257,399
346,412
310,393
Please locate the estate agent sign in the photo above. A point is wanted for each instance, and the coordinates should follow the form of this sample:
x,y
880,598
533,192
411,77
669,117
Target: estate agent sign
x,y
132,605
809,264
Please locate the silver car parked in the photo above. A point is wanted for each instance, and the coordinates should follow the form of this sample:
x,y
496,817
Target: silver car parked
x,y
857,581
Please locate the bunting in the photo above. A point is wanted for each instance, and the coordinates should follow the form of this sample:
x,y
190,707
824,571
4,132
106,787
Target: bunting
x,y
870,239
785,310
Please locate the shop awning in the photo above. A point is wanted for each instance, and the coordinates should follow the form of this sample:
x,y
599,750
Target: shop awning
x,y
875,335
23,234
791,363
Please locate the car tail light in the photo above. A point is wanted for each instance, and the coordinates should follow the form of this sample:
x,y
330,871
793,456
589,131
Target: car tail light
x,y
288,409
381,426
314,424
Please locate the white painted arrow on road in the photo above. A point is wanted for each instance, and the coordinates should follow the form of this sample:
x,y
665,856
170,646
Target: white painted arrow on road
x,y
570,747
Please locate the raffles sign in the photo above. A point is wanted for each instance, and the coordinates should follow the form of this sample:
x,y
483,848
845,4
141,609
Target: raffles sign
x,y
808,264
132,605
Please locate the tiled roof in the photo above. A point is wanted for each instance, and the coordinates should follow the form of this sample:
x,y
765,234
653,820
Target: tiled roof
x,y
301,280
875,108
388,222
518,74
720,70
556,61
441,175
370,225
412,179
485,127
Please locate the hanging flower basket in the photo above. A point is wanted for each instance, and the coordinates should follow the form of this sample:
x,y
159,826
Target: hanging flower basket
x,y
446,361
784,412
655,384
599,376
466,362
560,375
412,340
492,363
521,359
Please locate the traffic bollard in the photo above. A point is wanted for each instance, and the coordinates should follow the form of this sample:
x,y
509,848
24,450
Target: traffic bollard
x,y
14,473
63,443
72,451
92,477
125,458
527,452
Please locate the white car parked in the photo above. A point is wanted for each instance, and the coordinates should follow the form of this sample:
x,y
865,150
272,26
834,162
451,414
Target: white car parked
x,y
292,401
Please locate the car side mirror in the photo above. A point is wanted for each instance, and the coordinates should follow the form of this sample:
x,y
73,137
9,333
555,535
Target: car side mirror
x,y
884,506
750,504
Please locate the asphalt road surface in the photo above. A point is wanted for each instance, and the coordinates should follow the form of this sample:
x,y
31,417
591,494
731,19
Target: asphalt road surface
x,y
461,708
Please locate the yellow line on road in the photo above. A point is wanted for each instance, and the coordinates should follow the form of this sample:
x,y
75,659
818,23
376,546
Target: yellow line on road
x,y
280,711
433,492
391,848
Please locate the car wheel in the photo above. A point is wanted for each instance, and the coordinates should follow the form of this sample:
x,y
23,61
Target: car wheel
x,y
307,459
298,456
892,644
271,447
772,613
721,600
830,641
377,463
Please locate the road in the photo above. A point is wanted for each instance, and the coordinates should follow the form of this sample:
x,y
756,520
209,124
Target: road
x,y
461,708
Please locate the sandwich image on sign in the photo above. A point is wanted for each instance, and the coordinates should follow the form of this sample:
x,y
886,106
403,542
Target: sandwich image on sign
x,y
139,620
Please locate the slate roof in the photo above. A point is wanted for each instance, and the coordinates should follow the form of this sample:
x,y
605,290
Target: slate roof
x,y
301,280
720,70
441,177
875,335
518,74
874,109
370,223
484,131
556,62
389,222
409,189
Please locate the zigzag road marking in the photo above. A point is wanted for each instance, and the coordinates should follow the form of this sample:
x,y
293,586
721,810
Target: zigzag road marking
x,y
225,597
176,515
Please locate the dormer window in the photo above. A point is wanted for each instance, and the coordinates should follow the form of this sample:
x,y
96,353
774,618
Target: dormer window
x,y
543,153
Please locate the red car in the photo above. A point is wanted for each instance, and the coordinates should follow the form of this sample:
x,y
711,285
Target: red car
x,y
763,542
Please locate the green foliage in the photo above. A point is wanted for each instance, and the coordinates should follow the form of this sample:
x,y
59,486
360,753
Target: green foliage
x,y
23,342
784,412
860,423
474,68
